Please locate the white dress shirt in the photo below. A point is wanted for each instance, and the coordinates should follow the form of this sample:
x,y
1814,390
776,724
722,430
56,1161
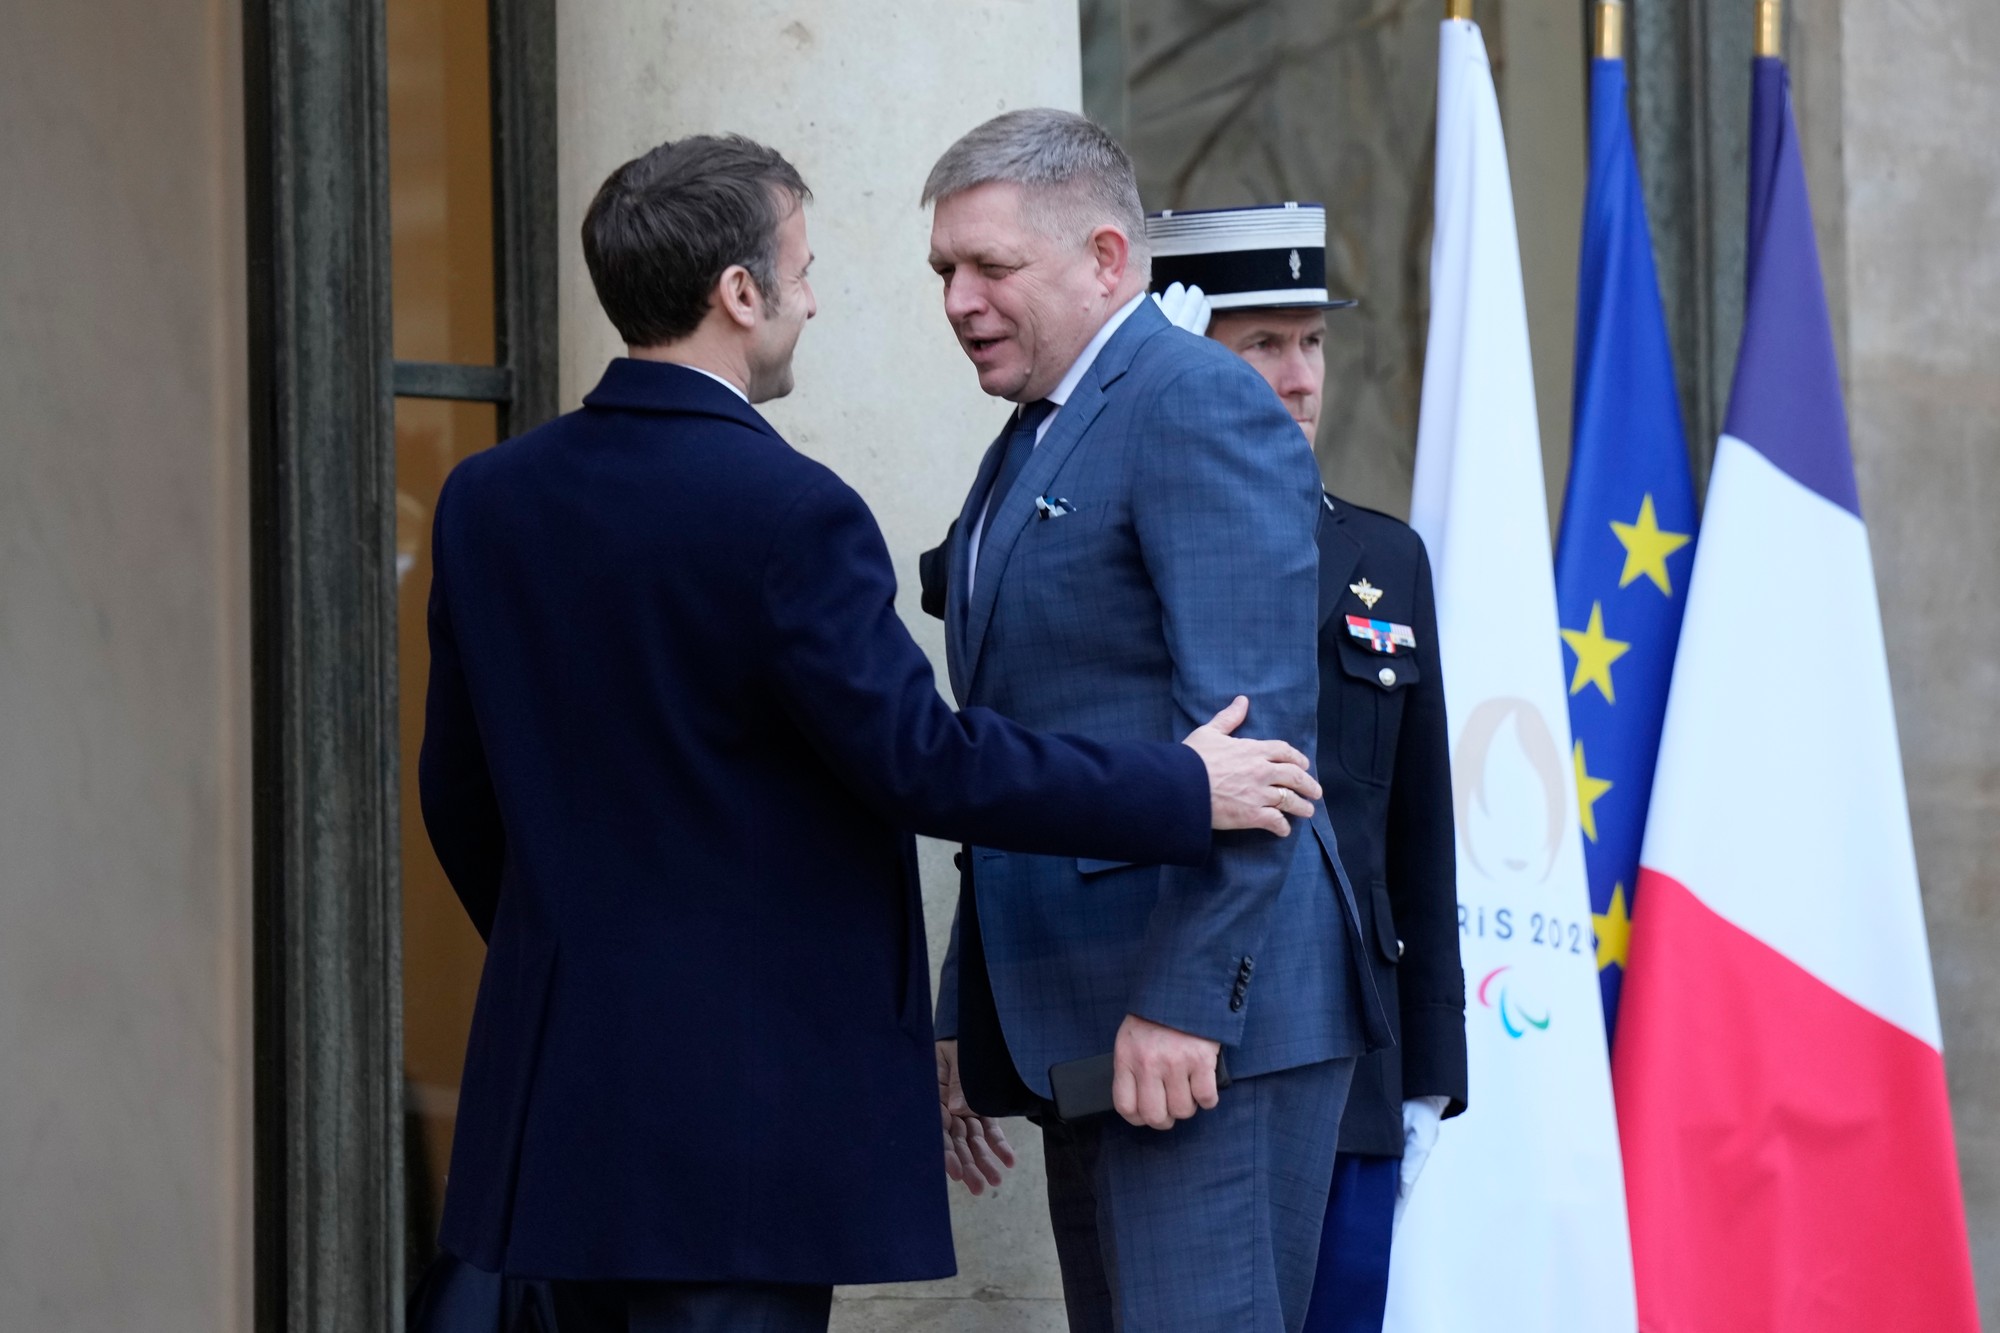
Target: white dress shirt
x,y
718,379
1058,395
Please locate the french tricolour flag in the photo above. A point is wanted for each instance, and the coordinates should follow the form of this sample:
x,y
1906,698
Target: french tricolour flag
x,y
1781,1092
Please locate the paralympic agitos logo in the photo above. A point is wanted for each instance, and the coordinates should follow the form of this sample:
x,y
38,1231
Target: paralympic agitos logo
x,y
1515,1018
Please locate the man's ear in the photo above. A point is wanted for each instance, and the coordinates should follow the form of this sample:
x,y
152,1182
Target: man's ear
x,y
737,297
1113,252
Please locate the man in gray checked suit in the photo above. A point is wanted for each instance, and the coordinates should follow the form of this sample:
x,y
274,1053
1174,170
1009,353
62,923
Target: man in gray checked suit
x,y
1137,549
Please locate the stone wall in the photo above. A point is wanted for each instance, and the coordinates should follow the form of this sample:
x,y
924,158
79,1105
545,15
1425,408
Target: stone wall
x,y
124,837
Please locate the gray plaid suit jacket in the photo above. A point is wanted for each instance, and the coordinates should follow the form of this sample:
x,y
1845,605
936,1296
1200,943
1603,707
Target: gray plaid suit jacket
x,y
1183,572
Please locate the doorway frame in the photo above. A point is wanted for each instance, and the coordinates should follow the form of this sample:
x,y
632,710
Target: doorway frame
x,y
328,1160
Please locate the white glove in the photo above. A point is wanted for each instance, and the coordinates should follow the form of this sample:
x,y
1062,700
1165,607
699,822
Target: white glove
x,y
1421,1117
1185,307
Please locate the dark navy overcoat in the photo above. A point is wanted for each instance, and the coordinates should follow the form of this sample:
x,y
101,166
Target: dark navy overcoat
x,y
676,743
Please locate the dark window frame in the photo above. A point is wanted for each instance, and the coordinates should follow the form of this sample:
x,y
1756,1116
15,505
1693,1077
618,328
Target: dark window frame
x,y
328,1115
1690,95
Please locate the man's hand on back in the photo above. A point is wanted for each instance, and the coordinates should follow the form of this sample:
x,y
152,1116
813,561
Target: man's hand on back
x,y
1160,1075
1251,784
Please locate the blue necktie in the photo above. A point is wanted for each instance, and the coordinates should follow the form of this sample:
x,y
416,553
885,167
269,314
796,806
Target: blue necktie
x,y
1020,447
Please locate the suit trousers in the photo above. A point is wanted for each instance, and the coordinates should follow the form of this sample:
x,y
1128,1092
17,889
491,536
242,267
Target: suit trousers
x,y
1213,1224
1351,1293
690,1307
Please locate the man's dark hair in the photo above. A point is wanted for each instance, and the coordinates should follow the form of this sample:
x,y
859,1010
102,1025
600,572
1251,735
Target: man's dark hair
x,y
664,226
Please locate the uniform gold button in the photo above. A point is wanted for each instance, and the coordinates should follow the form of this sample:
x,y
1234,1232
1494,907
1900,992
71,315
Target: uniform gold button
x,y
1387,675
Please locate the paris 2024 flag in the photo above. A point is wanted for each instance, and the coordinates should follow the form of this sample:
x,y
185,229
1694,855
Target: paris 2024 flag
x,y
1518,1222
1781,1092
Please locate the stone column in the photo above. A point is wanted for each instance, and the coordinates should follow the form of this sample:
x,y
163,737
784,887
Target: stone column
x,y
124,671
861,95
1922,201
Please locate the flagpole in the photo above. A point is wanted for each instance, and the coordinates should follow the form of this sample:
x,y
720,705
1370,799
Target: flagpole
x,y
1771,28
1610,44
1458,9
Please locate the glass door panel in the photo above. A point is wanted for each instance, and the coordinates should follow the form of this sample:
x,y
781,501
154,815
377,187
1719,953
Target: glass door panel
x,y
442,953
445,309
441,181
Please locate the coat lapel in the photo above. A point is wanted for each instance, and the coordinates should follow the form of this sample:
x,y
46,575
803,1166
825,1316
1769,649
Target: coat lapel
x,y
958,557
1066,432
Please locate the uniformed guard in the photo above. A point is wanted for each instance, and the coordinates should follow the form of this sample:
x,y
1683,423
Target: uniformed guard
x,y
1254,279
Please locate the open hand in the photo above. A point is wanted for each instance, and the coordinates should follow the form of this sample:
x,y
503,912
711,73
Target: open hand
x,y
1251,783
1160,1075
976,1151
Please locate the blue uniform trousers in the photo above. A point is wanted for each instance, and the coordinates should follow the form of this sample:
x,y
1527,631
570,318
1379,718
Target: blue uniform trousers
x,y
1351,1291
1211,1225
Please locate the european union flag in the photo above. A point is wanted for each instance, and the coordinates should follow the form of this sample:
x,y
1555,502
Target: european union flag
x,y
1628,526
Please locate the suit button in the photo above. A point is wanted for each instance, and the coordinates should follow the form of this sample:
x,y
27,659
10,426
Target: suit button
x,y
1236,1004
1399,948
1387,675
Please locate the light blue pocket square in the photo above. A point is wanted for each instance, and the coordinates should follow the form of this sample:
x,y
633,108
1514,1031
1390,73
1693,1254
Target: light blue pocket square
x,y
1051,507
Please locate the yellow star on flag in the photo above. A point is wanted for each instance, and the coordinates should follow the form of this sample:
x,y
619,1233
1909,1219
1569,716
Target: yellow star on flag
x,y
1614,931
1594,654
1647,547
1588,789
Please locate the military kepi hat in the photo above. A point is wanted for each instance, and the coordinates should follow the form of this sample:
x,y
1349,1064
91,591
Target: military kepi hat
x,y
1270,256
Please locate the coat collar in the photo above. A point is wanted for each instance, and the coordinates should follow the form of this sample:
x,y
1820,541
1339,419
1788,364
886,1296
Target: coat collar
x,y
1339,553
633,385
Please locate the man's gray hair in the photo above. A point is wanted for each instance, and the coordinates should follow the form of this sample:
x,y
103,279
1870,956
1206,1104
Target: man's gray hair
x,y
1073,175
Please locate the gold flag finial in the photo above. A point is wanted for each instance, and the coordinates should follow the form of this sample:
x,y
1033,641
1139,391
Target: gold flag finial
x,y
1458,9
1610,44
1770,27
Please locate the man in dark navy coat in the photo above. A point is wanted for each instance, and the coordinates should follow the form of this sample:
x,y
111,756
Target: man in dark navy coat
x,y
675,746
1384,750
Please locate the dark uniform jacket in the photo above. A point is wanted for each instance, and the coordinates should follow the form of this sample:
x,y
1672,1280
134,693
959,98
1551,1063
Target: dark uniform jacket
x,y
676,742
1385,762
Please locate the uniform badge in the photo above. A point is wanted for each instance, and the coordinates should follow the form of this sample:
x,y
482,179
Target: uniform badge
x,y
1381,635
1297,267
1366,591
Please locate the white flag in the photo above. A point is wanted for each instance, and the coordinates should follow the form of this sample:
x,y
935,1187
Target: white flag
x,y
1518,1222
